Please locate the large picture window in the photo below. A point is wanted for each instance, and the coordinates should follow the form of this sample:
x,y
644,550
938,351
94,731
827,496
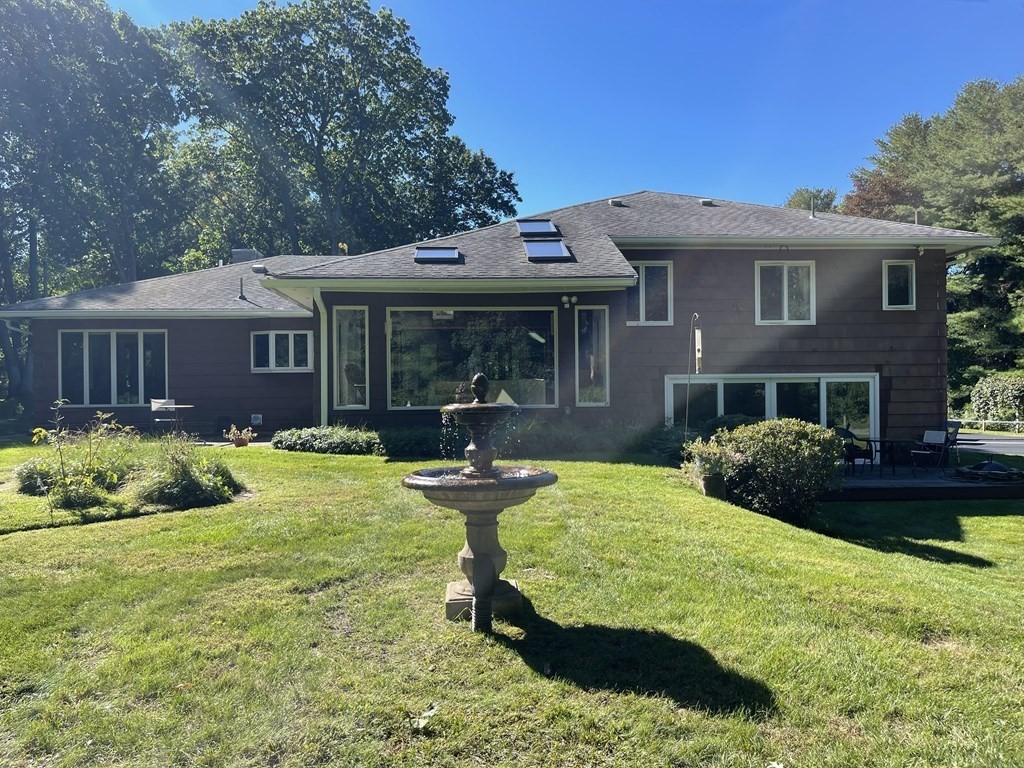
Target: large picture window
x,y
433,354
898,286
591,356
350,329
784,292
282,351
649,302
107,368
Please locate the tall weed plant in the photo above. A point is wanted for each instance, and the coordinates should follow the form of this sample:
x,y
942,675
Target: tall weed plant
x,y
85,464
183,477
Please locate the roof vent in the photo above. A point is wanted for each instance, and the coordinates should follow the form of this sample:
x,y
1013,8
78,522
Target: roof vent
x,y
239,255
617,202
707,202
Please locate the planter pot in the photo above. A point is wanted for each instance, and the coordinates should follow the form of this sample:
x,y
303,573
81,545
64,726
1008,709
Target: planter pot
x,y
240,442
713,485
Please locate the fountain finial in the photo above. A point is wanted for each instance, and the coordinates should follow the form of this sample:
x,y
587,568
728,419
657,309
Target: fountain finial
x,y
479,387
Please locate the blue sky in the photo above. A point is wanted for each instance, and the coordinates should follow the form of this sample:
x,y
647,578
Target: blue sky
x,y
735,99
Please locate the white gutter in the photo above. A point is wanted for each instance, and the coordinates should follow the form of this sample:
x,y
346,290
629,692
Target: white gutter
x,y
319,300
150,314
284,285
797,242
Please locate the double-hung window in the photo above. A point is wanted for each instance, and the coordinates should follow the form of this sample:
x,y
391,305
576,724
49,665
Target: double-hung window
x,y
898,285
649,302
112,367
784,292
282,351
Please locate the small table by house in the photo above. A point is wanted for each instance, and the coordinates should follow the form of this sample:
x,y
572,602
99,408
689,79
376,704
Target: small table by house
x,y
888,448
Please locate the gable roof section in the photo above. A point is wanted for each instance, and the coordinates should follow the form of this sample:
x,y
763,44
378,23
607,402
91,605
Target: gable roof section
x,y
656,217
204,293
594,233
493,259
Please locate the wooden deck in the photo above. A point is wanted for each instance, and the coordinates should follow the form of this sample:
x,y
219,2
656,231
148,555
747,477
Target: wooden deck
x,y
933,485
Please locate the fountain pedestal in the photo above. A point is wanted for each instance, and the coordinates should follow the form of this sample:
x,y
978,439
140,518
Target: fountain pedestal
x,y
481,500
481,492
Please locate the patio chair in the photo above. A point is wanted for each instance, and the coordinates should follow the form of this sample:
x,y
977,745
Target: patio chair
x,y
855,449
931,452
169,409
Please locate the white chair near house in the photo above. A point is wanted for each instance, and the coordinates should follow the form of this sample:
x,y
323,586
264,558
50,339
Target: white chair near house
x,y
166,411
932,451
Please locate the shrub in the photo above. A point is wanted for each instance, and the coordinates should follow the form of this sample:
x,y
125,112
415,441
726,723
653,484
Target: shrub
x,y
85,465
778,467
418,442
999,397
183,477
338,439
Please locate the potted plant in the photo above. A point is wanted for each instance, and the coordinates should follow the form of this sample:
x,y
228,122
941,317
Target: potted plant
x,y
240,437
710,460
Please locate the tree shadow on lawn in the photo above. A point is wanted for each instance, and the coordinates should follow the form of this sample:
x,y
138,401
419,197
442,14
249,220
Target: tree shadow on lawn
x,y
641,661
885,529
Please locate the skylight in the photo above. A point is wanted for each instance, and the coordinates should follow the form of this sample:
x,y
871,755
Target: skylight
x,y
535,226
546,250
434,253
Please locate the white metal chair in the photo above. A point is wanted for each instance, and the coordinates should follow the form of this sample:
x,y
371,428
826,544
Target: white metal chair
x,y
932,451
165,406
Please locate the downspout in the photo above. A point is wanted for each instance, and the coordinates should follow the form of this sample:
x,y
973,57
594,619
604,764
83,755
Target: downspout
x,y
318,299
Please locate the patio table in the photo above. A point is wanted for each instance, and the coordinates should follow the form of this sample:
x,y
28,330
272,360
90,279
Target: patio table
x,y
888,447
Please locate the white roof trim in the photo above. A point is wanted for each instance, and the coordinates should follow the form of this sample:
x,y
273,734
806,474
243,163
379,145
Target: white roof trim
x,y
946,242
287,286
153,314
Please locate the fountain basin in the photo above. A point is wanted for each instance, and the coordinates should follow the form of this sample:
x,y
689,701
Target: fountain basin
x,y
451,487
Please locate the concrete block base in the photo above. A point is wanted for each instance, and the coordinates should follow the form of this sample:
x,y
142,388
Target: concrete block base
x,y
458,600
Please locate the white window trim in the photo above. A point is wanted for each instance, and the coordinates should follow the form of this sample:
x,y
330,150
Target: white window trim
x,y
607,361
885,285
785,292
272,368
113,364
366,358
387,344
640,267
770,379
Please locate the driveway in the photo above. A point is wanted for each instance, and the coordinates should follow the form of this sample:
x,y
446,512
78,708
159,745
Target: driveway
x,y
1005,444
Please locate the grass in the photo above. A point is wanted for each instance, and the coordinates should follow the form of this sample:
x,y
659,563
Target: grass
x,y
303,626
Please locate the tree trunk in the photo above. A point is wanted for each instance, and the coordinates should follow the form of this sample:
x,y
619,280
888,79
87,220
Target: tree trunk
x,y
12,362
33,257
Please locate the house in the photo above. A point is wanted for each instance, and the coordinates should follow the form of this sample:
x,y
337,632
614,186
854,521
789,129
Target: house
x,y
589,312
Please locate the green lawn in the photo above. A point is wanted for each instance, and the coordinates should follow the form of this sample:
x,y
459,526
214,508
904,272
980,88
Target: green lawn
x,y
303,625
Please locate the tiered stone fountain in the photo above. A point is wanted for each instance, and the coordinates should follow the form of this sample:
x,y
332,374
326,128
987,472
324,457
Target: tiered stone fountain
x,y
481,491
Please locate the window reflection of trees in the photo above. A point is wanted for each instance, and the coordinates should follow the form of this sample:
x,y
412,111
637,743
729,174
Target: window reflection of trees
x,y
433,351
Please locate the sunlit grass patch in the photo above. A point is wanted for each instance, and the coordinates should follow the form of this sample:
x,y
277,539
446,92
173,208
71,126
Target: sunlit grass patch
x,y
303,624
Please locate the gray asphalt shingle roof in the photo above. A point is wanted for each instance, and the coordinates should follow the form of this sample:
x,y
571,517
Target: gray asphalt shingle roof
x,y
212,290
590,230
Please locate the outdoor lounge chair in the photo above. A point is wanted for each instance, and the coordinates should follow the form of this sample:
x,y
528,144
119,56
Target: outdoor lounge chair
x,y
932,451
855,449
